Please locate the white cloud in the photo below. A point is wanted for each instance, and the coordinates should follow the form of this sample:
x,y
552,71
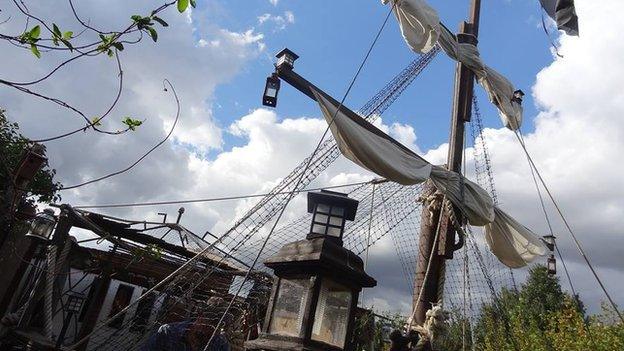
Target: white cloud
x,y
274,2
280,21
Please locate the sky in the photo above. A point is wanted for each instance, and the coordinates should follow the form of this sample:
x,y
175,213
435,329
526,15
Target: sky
x,y
226,143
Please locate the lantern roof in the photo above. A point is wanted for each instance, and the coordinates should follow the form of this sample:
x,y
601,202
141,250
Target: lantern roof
x,y
335,199
287,51
321,256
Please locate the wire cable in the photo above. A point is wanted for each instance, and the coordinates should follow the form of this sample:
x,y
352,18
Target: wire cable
x,y
213,199
567,225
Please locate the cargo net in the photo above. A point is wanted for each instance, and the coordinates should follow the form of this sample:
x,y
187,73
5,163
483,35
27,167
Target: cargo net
x,y
183,310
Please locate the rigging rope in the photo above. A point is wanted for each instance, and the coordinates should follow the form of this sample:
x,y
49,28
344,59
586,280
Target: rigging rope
x,y
569,228
292,193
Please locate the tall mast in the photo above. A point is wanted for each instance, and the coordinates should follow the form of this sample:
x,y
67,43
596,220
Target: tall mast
x,y
433,280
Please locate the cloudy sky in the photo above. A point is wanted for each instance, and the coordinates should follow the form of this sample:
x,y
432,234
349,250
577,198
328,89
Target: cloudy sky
x,y
219,55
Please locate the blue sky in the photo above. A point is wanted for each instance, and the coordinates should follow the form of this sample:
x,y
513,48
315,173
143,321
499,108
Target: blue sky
x,y
332,37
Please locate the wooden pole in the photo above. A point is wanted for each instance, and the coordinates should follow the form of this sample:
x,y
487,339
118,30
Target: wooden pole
x,y
432,283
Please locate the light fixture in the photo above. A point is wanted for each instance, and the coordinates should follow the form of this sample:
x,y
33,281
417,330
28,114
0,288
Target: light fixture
x,y
517,96
269,98
329,211
74,303
42,226
315,292
549,240
552,265
286,59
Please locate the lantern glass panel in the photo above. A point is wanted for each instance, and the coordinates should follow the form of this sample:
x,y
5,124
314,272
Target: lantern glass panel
x,y
42,225
319,229
337,221
271,92
322,208
333,231
338,211
320,218
288,307
332,314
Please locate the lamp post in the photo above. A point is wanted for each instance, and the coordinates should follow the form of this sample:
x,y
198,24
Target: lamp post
x,y
315,292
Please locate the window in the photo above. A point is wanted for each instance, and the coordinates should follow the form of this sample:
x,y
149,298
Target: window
x,y
328,220
121,301
288,307
332,314
143,313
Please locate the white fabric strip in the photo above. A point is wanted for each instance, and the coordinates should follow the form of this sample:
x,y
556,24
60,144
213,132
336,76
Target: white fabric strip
x,y
511,242
369,147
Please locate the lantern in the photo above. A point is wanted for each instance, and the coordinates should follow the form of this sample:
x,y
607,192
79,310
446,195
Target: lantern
x,y
269,98
286,59
552,265
517,96
314,298
329,211
42,225
549,240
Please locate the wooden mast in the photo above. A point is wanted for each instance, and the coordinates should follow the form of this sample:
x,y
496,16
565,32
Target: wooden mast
x,y
430,219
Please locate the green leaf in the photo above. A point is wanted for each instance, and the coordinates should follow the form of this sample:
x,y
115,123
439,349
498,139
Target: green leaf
x,y
136,18
161,21
118,46
131,123
152,33
68,44
56,30
110,53
35,32
96,121
35,50
182,5
68,35
193,3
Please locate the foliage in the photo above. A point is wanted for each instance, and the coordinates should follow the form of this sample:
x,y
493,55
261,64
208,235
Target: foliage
x,y
539,317
42,188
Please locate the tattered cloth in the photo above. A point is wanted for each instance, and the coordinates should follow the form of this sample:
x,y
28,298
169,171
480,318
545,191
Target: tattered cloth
x,y
421,30
361,142
564,13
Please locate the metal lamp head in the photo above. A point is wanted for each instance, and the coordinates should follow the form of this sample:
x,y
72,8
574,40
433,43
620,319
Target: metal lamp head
x,y
42,225
286,59
329,211
271,89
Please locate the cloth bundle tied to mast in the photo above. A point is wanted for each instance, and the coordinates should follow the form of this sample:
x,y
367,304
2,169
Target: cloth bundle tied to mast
x,y
421,29
361,142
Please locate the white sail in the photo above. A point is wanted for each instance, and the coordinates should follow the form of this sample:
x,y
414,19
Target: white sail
x,y
419,23
372,149
421,30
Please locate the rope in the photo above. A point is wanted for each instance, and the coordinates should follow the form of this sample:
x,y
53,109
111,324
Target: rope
x,y
292,193
236,197
422,287
569,228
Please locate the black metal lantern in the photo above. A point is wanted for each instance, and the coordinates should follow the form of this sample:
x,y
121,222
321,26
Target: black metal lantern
x,y
549,240
552,265
286,59
517,96
42,226
329,211
271,89
314,298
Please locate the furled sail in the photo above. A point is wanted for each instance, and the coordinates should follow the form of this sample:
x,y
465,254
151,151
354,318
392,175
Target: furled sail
x,y
499,89
372,149
418,22
564,13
